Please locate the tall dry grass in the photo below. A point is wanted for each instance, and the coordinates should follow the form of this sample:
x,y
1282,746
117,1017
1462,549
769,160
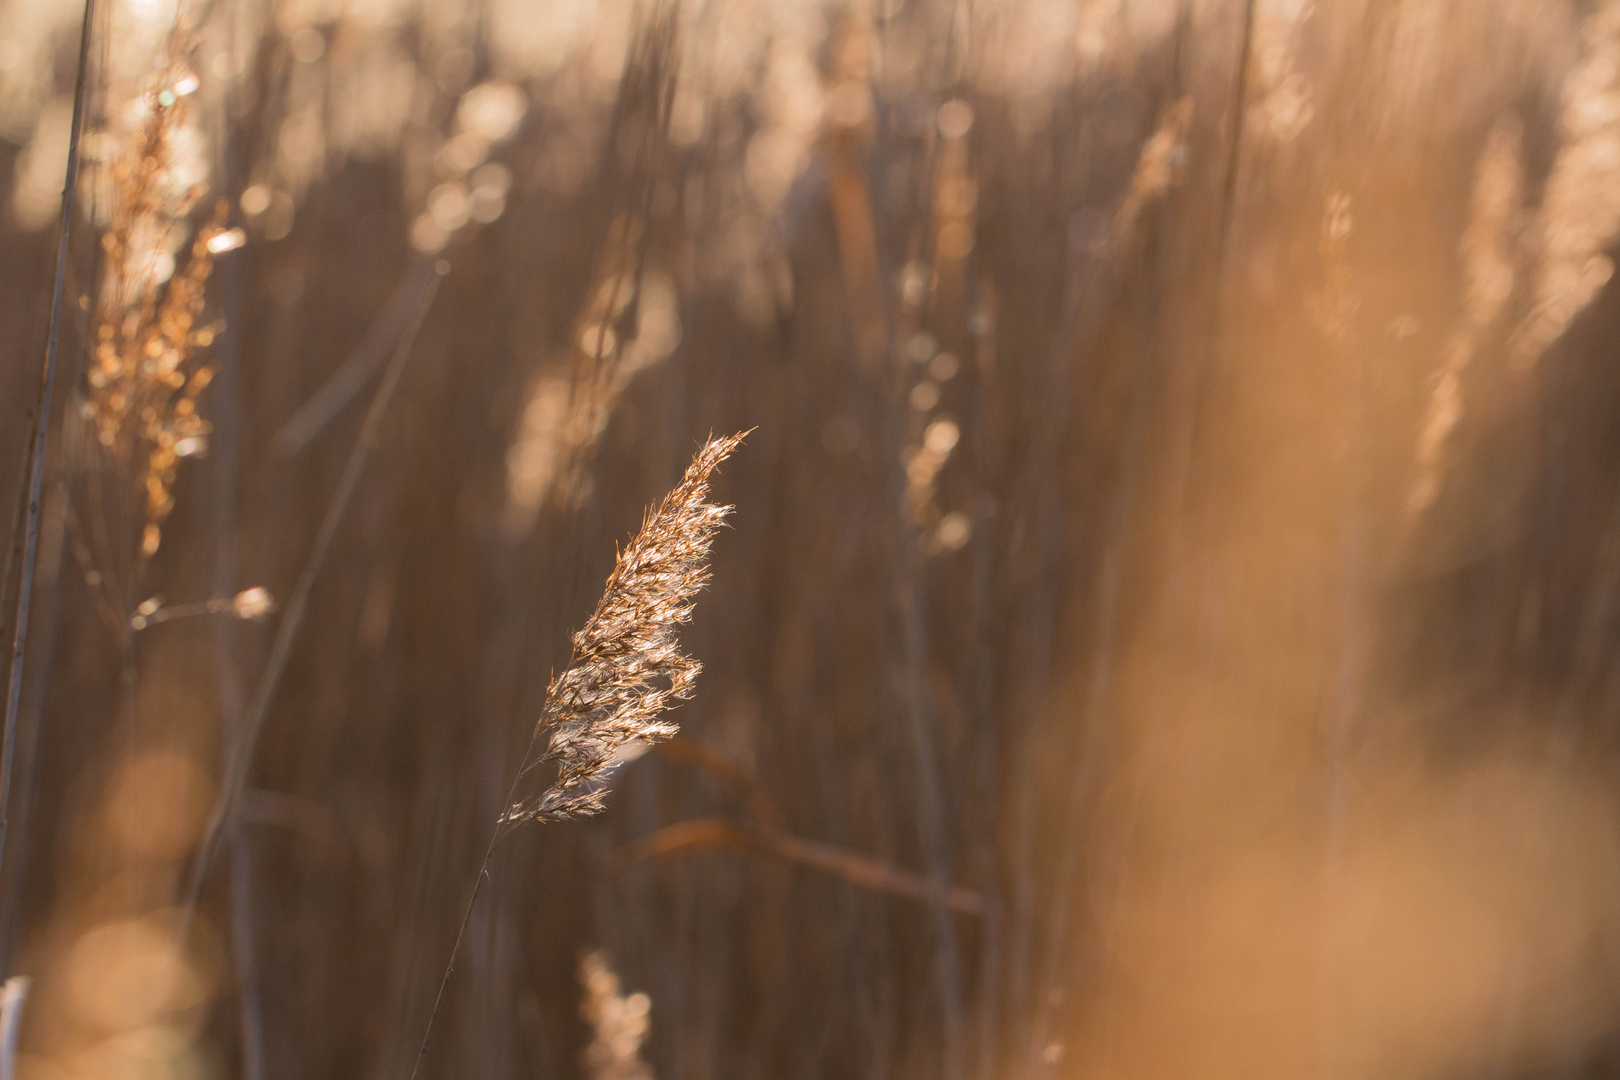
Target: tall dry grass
x,y
1167,631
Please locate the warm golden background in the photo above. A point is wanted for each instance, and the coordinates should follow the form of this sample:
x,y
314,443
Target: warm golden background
x,y
1169,626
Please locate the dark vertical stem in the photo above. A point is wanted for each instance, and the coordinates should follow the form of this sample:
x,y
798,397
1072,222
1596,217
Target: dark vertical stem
x,y
1234,160
226,446
224,451
1181,458
931,803
33,491
982,647
1096,712
461,933
251,1019
30,726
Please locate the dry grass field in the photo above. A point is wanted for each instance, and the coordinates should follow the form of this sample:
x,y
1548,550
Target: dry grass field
x,y
1158,619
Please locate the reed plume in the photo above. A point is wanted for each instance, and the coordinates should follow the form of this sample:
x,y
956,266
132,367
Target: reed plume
x,y
147,369
618,1021
1580,210
1158,169
1489,273
626,670
627,666
568,406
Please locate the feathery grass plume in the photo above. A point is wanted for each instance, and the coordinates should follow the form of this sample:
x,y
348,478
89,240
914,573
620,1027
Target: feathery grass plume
x,y
614,692
1281,102
569,404
1334,306
1158,169
1580,212
618,1023
146,372
1488,248
1487,252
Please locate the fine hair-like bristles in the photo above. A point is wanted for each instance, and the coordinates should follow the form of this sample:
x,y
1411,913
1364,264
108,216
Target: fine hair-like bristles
x,y
627,666
148,365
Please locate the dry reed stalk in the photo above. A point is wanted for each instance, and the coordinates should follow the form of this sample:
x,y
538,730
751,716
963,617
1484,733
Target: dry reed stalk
x,y
357,369
618,1021
614,691
849,131
626,670
1160,166
22,558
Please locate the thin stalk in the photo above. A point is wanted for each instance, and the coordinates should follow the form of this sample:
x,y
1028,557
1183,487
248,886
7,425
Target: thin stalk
x,y
1181,467
236,773
625,669
931,810
244,956
466,918
1100,688
30,722
350,376
36,446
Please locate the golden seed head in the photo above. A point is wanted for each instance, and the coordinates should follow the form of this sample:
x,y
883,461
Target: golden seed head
x,y
627,668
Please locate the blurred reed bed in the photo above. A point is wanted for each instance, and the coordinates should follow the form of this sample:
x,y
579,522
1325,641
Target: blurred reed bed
x,y
1167,626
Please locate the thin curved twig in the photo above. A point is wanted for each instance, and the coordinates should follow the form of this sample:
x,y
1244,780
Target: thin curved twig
x,y
701,834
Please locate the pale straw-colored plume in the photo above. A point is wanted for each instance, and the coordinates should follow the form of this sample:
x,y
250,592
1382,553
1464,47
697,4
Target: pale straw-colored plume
x,y
1487,253
1488,245
618,1021
1282,104
570,403
1334,306
1158,168
627,667
1580,212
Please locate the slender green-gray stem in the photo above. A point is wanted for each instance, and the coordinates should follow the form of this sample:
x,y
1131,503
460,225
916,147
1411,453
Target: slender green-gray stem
x,y
33,489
